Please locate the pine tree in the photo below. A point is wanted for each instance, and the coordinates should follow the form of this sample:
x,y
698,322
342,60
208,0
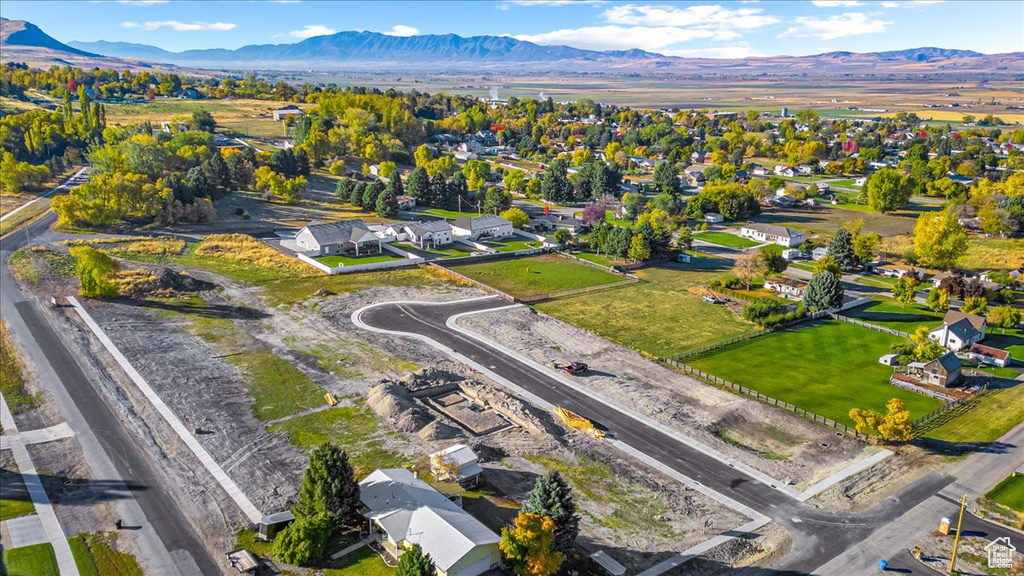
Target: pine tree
x,y
552,497
823,292
387,203
841,248
414,563
329,487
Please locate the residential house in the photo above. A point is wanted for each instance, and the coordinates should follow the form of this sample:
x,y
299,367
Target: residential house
x,y
482,227
456,463
988,355
694,176
786,286
389,232
898,271
890,360
959,330
938,278
944,371
282,113
406,202
698,157
556,222
714,218
786,171
465,156
819,252
403,510
780,235
795,254
338,238
471,146
805,170
429,234
759,171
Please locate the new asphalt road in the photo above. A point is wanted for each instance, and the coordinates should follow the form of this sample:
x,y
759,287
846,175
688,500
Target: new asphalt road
x,y
817,536
160,509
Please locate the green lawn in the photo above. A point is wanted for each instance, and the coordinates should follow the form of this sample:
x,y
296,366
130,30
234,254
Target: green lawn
x,y
95,556
1009,492
886,312
36,560
337,260
235,269
726,239
602,259
353,427
993,415
454,249
362,562
876,281
1010,340
447,214
806,266
826,367
512,244
660,316
528,277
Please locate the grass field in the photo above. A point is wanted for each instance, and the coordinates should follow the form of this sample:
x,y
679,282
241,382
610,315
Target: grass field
x,y
25,215
294,290
1009,492
982,253
725,239
529,277
335,260
994,415
446,214
660,316
95,556
454,249
826,367
602,259
362,562
36,560
12,376
240,115
511,244
886,312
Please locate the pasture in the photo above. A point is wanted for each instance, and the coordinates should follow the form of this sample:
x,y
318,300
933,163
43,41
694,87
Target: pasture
x,y
530,277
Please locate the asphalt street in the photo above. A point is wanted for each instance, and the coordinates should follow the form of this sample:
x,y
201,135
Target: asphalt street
x,y
818,536
160,509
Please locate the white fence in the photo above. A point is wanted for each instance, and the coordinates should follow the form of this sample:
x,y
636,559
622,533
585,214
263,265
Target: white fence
x,y
407,260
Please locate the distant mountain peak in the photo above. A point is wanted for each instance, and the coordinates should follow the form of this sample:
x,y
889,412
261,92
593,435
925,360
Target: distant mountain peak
x,y
22,33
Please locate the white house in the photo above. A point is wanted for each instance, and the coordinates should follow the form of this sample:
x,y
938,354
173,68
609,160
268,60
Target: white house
x,y
713,218
281,113
456,463
337,238
989,355
786,286
465,156
482,227
429,234
780,235
389,232
403,510
959,330
819,252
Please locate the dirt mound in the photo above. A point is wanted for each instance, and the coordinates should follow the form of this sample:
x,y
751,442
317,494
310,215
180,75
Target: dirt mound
x,y
438,430
181,281
427,378
391,401
165,282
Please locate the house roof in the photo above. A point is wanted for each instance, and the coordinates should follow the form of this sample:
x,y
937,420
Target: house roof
x,y
990,351
433,226
771,229
962,329
480,222
459,454
409,509
787,281
948,361
953,316
339,232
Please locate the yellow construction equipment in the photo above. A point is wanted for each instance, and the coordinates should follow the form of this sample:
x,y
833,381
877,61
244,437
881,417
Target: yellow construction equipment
x,y
574,420
331,399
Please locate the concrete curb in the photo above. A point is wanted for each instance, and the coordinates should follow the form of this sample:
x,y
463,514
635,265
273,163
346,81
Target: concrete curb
x,y
222,478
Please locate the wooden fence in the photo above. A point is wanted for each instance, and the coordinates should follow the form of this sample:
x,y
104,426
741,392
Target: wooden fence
x,y
870,325
727,385
576,291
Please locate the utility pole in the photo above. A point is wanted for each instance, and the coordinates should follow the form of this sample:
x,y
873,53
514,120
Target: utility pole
x,y
956,542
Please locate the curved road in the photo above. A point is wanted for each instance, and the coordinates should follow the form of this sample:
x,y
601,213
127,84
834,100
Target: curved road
x,y
187,552
817,536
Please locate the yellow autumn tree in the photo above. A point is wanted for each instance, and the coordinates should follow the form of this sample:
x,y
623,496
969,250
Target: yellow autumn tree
x,y
895,425
530,546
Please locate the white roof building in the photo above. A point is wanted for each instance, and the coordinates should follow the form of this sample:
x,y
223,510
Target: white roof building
x,y
458,463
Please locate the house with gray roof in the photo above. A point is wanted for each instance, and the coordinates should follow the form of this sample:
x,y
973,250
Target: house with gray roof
x,y
482,227
349,236
403,510
456,463
944,371
959,330
429,234
780,235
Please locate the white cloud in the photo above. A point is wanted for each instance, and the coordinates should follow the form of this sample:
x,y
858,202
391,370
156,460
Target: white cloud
x,y
181,26
624,38
701,17
835,3
890,4
401,30
849,24
738,51
312,30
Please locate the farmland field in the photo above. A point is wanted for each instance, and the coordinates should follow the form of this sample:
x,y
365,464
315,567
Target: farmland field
x,y
529,277
826,367
886,312
244,116
659,316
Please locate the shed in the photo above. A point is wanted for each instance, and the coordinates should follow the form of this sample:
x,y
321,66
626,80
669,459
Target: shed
x,y
271,524
889,360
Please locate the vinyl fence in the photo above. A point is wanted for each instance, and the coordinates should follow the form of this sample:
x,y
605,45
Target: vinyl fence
x,y
849,320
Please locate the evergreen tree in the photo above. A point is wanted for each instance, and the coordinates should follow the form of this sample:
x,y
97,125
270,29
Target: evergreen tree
x,y
370,194
343,190
414,563
387,203
823,292
841,248
418,184
329,487
666,180
555,185
356,194
552,497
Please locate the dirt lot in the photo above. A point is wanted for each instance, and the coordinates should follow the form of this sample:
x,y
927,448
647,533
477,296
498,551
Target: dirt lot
x,y
782,445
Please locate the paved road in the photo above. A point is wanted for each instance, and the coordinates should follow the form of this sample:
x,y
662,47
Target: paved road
x,y
818,536
160,509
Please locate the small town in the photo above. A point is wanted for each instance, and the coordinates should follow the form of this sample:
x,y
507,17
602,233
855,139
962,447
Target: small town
x,y
322,303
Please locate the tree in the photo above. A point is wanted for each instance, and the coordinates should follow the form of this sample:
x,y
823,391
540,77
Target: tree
x,y
496,200
749,266
1005,317
517,217
840,248
202,121
888,190
303,540
865,246
593,212
773,261
554,187
823,292
387,202
562,236
666,180
552,497
530,546
418,184
827,264
634,203
905,290
95,269
329,487
370,194
684,240
16,177
925,349
618,242
894,425
414,562
939,240
387,170
938,300
975,305
639,248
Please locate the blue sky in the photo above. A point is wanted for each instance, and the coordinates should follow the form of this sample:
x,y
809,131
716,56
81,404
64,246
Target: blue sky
x,y
711,29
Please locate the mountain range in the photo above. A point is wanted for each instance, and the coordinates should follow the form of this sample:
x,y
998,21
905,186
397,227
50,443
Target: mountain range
x,y
23,41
